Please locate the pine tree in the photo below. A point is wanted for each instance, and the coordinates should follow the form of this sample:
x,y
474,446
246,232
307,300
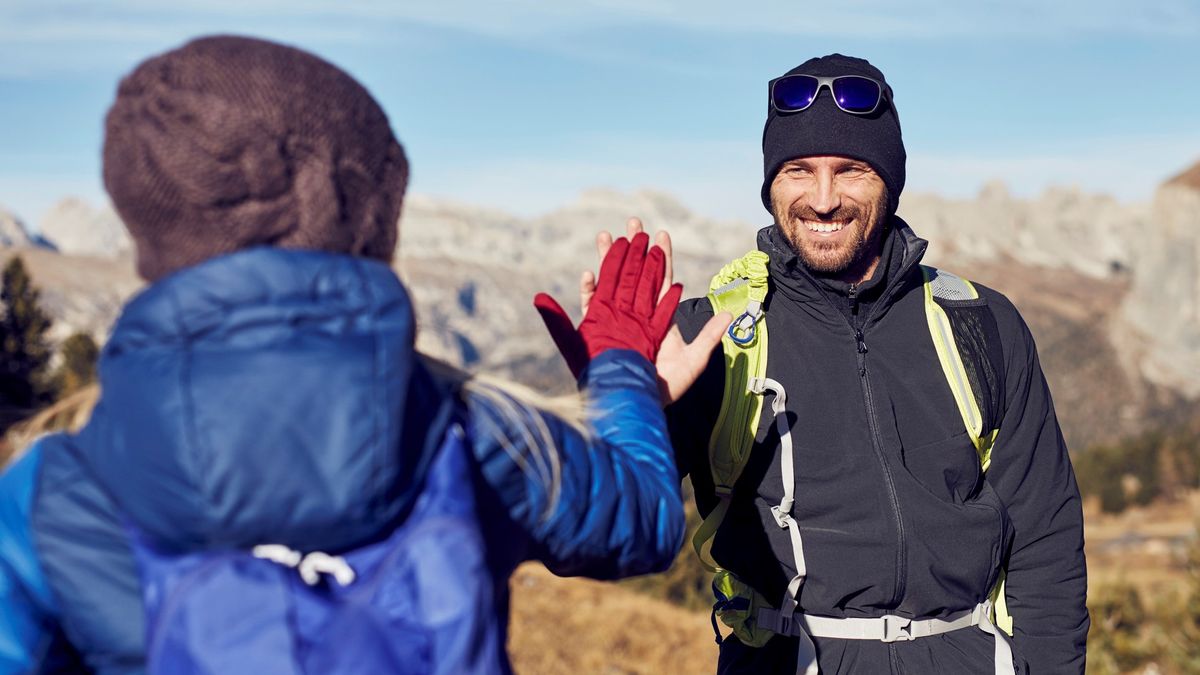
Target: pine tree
x,y
24,351
78,368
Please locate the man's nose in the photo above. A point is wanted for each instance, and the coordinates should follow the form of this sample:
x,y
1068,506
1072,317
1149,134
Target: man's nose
x,y
826,197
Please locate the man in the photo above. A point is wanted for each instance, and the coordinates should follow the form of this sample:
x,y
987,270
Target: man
x,y
895,515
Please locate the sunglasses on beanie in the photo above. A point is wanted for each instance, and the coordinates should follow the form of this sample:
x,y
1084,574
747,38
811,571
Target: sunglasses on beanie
x,y
853,94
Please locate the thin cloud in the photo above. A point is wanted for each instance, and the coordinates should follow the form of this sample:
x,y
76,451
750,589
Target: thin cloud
x,y
524,19
720,179
715,178
42,47
925,19
75,36
1129,169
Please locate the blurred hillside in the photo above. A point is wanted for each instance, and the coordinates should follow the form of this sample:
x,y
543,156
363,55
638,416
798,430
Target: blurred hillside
x,y
1111,291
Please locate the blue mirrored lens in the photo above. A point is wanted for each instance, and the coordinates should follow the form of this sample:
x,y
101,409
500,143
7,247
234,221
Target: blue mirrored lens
x,y
856,94
794,92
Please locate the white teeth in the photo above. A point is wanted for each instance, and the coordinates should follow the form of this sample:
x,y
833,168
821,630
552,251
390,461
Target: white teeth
x,y
823,227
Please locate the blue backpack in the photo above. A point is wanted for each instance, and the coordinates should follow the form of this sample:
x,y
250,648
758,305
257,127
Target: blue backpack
x,y
420,600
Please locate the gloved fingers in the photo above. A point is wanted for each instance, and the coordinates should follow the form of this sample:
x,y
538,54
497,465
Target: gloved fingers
x,y
631,271
610,271
563,332
650,283
664,313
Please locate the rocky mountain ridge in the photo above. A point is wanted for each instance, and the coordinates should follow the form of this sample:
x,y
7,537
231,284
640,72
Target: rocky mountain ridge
x,y
12,231
1063,228
1110,290
77,228
1159,324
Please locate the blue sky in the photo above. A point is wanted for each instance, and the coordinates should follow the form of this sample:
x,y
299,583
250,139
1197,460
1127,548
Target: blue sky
x,y
521,105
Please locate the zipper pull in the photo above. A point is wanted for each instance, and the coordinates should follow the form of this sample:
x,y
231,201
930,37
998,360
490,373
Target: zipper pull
x,y
852,298
862,344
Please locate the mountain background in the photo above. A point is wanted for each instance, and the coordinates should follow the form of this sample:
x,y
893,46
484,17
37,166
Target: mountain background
x,y
1111,290
521,105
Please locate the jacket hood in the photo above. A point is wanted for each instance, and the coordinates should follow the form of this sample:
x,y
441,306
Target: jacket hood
x,y
268,396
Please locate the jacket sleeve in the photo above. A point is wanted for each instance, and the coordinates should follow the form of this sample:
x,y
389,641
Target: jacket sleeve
x,y
27,620
1046,584
604,503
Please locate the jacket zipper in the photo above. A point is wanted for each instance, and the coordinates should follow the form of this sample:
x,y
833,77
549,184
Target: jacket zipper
x,y
889,480
856,328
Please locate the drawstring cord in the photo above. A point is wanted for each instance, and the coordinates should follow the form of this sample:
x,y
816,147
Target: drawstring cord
x,y
310,566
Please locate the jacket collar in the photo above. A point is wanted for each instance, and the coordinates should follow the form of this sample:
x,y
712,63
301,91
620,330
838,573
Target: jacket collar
x,y
253,288
903,250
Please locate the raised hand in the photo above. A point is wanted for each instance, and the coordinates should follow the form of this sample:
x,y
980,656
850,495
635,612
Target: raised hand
x,y
604,241
626,309
678,363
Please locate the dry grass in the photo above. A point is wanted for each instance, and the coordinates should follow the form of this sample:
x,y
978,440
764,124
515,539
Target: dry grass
x,y
583,626
1145,547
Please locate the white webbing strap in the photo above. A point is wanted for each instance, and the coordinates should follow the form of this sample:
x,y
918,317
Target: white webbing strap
x,y
889,628
893,628
310,566
1003,650
782,621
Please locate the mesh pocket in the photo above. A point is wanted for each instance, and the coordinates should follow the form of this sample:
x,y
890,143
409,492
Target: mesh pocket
x,y
978,340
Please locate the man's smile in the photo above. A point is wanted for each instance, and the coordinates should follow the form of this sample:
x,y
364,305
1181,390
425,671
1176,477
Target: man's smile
x,y
824,228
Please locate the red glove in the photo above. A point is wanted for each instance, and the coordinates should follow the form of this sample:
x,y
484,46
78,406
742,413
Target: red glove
x,y
624,313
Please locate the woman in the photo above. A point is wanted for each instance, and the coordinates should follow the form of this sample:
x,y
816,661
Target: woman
x,y
273,480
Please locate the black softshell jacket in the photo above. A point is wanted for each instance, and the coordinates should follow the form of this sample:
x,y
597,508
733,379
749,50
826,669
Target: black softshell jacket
x,y
895,514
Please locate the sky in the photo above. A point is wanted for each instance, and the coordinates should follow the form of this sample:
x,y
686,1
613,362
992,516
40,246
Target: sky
x,y
524,104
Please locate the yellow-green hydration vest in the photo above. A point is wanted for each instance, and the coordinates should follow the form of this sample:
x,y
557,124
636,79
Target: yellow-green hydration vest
x,y
741,288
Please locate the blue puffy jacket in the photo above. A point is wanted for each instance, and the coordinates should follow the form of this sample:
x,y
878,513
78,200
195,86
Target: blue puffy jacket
x,y
274,396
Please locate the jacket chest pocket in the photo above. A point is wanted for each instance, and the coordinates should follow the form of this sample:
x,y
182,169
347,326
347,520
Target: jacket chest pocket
x,y
948,468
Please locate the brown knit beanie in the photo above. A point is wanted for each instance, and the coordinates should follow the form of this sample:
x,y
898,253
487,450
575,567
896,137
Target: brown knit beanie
x,y
231,142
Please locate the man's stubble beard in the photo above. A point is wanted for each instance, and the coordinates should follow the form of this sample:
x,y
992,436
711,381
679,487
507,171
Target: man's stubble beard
x,y
835,260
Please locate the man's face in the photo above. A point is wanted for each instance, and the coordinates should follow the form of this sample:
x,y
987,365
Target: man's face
x,y
833,211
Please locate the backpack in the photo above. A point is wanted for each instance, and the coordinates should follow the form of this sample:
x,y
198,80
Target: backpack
x,y
419,600
967,341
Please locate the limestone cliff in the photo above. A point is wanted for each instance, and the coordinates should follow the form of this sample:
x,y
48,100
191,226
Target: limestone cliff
x,y
76,228
1161,330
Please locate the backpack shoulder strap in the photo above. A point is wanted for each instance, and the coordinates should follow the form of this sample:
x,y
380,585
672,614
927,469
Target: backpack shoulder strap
x,y
740,288
967,342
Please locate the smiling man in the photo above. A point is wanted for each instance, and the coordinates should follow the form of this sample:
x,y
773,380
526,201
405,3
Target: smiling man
x,y
884,483
832,210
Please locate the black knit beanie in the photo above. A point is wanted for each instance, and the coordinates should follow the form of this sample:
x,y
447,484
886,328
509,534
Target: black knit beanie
x,y
231,142
823,129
